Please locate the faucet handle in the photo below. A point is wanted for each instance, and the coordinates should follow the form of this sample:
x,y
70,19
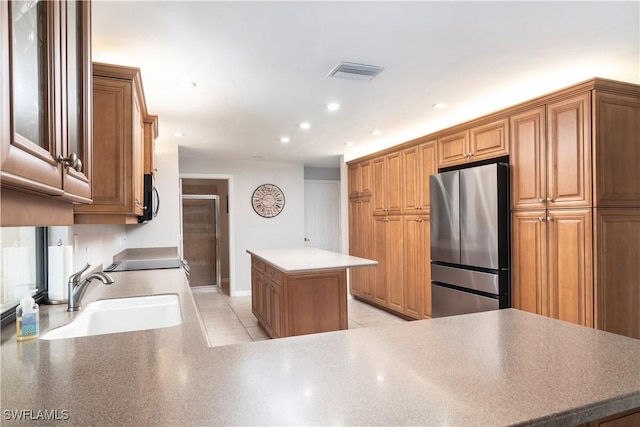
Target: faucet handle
x,y
75,277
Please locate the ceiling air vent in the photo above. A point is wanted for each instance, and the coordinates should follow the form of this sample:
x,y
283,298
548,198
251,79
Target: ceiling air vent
x,y
353,71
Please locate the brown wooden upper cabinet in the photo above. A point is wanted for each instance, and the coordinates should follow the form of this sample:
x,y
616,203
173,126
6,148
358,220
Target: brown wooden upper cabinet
x,y
119,115
617,150
387,182
360,179
477,143
150,135
45,72
418,162
551,155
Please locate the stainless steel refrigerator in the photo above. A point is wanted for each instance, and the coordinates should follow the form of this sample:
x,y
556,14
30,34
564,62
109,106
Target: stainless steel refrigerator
x,y
470,240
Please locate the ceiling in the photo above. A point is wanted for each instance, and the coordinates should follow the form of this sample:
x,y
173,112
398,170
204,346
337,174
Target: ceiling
x,y
261,68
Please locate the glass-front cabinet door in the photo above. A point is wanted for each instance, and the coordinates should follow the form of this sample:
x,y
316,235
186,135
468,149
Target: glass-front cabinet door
x,y
45,73
77,139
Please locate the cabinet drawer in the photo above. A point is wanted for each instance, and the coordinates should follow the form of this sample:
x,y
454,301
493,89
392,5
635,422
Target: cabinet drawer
x,y
258,265
274,274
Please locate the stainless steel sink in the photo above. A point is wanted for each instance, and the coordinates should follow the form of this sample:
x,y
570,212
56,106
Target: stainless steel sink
x,y
115,315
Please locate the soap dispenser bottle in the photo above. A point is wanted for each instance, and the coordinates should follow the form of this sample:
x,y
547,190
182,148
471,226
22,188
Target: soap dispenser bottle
x,y
27,319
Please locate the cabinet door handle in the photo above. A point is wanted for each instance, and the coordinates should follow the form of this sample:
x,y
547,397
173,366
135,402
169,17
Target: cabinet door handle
x,y
540,200
541,219
549,199
71,162
470,154
549,218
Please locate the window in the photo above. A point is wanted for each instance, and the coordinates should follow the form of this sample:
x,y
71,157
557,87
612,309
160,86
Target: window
x,y
22,267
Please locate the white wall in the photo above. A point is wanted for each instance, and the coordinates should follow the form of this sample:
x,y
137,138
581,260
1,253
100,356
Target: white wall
x,y
163,230
248,229
96,243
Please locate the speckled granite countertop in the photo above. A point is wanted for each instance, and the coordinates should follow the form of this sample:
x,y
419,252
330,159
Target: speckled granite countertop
x,y
292,260
494,368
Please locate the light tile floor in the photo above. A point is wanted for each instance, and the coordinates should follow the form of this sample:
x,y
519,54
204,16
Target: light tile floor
x,y
228,320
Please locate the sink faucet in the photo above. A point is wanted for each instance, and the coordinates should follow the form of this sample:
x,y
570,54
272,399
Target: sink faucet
x,y
78,287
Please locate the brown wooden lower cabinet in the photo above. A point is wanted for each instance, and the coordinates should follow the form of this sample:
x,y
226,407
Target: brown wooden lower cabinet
x,y
624,419
617,281
388,247
417,267
401,283
288,304
552,263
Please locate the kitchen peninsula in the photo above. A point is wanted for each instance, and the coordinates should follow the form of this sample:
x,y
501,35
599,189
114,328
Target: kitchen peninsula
x,y
299,291
504,367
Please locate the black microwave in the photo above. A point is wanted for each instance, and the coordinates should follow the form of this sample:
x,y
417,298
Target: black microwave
x,y
151,200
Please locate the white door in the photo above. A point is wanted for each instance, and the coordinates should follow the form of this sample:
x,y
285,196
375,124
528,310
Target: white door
x,y
322,214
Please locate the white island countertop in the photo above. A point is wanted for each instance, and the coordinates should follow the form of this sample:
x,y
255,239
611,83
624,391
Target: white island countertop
x,y
291,260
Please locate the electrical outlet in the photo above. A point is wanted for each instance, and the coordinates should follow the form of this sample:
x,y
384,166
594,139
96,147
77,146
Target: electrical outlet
x,y
75,243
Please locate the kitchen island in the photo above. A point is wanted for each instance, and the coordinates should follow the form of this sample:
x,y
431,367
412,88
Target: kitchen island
x,y
300,291
494,368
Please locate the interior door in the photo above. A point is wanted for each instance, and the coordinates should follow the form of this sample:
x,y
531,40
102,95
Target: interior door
x,y
200,233
322,214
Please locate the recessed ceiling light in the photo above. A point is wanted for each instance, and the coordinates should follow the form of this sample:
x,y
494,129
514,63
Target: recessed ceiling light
x,y
178,134
376,132
285,139
186,84
334,106
349,143
439,105
305,125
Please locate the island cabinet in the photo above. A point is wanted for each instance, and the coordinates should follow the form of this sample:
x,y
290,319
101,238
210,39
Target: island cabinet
x,y
480,142
575,197
266,287
45,106
119,115
301,291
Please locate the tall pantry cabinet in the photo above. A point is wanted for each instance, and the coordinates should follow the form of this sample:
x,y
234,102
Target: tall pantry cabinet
x,y
576,207
389,222
574,157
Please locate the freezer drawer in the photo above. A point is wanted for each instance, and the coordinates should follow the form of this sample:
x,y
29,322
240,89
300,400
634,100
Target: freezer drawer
x,y
464,278
451,302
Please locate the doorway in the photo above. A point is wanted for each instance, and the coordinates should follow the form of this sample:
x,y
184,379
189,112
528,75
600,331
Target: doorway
x,y
200,234
205,230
